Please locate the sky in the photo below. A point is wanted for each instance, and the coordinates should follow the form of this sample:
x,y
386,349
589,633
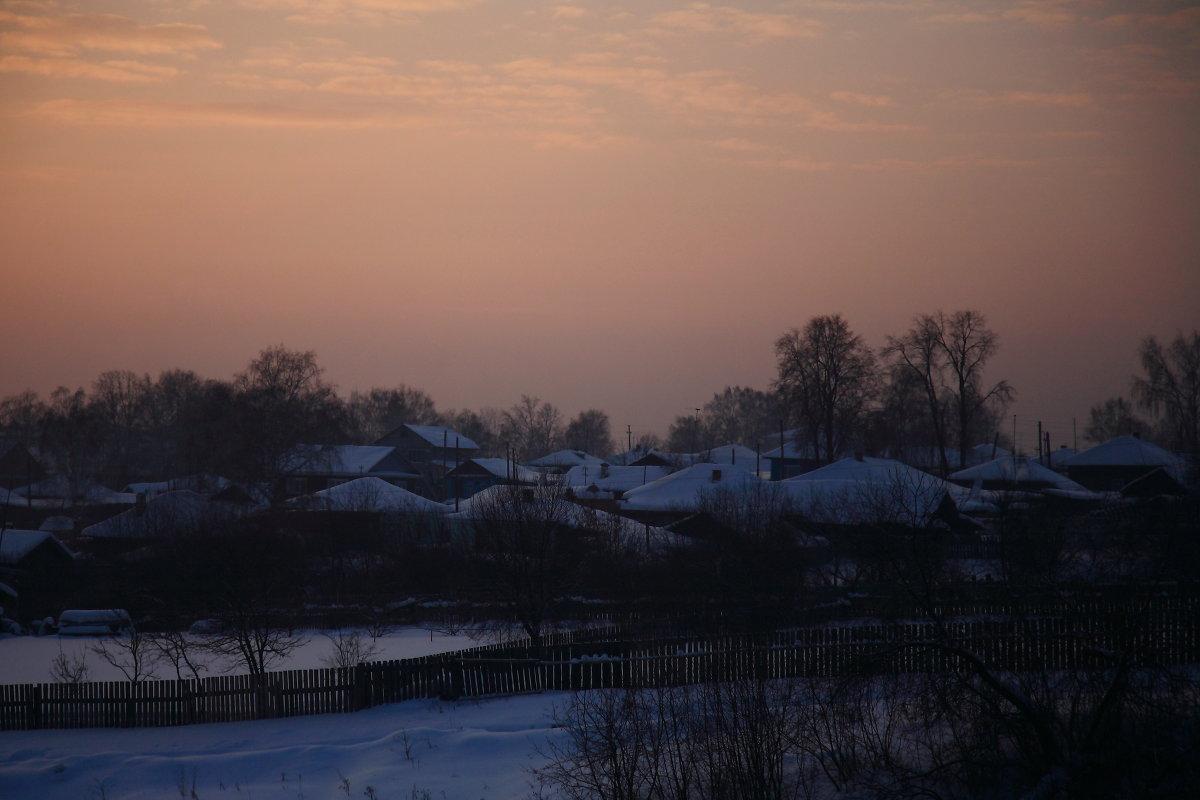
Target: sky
x,y
611,205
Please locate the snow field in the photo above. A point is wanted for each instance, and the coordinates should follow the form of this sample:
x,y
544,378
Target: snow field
x,y
477,750
27,659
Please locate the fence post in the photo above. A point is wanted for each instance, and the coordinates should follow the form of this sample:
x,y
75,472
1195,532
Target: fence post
x,y
35,707
358,688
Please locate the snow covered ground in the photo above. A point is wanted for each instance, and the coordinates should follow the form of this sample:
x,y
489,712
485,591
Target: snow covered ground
x,y
27,659
477,750
407,751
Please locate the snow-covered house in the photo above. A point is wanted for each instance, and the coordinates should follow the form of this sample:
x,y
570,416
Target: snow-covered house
x,y
34,566
172,514
857,491
793,458
18,466
476,474
432,450
548,506
1022,474
32,550
62,491
725,454
561,461
609,483
202,483
684,492
367,495
860,502
1122,461
310,468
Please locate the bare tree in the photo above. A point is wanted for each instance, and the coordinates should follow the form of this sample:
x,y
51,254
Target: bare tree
x,y
947,354
1171,387
741,415
826,379
22,416
968,345
349,649
1114,417
378,411
522,533
120,398
281,400
174,648
533,428
918,356
133,655
589,431
482,427
69,669
689,434
73,437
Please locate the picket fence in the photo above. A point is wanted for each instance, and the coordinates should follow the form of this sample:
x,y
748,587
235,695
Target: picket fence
x,y
1158,631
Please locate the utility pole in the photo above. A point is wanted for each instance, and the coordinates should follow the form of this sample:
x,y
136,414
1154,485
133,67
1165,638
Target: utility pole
x,y
628,437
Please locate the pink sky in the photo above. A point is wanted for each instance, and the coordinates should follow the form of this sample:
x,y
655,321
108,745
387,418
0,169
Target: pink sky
x,y
605,205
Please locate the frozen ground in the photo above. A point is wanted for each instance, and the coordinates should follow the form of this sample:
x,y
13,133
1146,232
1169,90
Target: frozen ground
x,y
27,659
409,751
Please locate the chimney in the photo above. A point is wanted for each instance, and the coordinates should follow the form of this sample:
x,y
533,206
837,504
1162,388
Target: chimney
x,y
604,470
140,503
716,475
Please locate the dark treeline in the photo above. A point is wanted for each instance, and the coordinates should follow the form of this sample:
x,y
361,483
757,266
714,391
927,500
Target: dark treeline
x,y
130,427
925,389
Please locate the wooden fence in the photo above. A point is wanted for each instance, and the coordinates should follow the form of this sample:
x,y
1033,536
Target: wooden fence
x,y
1070,635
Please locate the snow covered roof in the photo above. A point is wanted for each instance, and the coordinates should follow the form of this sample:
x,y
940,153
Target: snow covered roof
x,y
341,459
613,478
885,472
57,524
1018,471
683,490
793,449
567,458
197,483
1125,451
501,468
60,487
440,435
1061,457
550,505
17,544
853,501
368,494
865,469
983,453
725,454
180,512
504,500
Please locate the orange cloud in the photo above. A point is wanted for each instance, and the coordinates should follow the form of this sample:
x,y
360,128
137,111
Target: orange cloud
x,y
855,98
130,113
1042,14
328,12
708,19
68,34
1056,99
117,71
978,97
